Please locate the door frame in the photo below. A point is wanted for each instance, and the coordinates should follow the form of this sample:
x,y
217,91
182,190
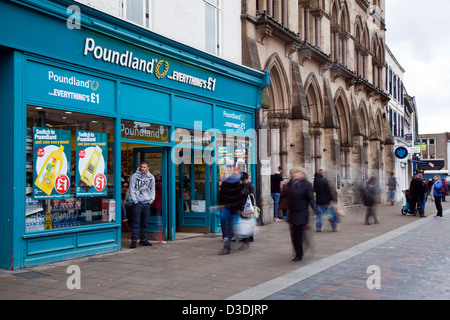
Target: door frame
x,y
181,215
164,219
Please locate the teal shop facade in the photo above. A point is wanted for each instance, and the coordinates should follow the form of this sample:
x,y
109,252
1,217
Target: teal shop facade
x,y
82,107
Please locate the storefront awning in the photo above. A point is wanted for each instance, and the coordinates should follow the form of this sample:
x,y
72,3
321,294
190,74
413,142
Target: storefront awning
x,y
429,164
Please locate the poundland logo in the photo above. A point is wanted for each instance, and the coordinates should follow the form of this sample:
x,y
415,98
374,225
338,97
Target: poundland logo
x,y
234,116
124,59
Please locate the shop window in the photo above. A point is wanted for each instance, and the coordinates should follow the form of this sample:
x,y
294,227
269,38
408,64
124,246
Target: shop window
x,y
69,180
233,156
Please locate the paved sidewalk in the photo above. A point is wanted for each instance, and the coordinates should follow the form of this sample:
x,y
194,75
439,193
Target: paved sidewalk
x,y
191,269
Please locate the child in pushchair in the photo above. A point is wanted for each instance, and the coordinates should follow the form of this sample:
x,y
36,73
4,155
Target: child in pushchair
x,y
409,203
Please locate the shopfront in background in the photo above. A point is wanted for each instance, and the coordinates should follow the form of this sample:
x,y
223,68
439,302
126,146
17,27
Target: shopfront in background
x,y
81,111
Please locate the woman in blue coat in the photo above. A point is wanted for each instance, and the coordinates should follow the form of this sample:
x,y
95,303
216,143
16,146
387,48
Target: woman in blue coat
x,y
437,195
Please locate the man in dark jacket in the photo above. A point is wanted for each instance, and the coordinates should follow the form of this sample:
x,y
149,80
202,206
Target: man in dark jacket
x,y
324,197
232,199
418,190
301,196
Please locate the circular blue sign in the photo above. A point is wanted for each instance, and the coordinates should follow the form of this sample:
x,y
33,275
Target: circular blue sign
x,y
401,152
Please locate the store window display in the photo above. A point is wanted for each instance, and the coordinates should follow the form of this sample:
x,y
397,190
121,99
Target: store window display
x,y
69,181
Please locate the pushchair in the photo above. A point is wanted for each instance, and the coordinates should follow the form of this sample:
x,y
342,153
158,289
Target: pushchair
x,y
409,203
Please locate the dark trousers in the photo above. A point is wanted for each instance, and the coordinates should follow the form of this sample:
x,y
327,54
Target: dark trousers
x,y
417,203
370,212
297,238
437,202
140,213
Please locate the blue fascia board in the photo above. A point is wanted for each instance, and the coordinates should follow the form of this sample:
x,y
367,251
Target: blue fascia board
x,y
122,30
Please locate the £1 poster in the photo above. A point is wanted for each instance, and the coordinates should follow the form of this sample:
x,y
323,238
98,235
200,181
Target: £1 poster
x,y
91,158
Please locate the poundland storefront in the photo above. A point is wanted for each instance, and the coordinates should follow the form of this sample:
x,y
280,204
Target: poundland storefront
x,y
81,108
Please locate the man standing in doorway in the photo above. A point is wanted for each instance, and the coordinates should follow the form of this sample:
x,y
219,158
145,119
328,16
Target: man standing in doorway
x,y
276,187
142,192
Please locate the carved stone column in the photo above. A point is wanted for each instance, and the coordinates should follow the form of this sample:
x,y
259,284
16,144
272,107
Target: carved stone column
x,y
307,23
284,14
283,145
344,37
270,8
318,17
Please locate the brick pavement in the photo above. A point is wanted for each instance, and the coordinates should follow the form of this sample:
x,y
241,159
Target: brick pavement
x,y
413,266
191,269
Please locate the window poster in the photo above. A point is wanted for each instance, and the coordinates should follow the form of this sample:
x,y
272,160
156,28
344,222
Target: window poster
x,y
91,159
51,158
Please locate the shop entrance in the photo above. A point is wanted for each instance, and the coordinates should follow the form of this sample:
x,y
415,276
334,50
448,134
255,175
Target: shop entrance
x,y
193,190
156,157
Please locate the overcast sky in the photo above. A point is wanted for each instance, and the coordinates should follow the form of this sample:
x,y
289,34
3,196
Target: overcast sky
x,y
418,34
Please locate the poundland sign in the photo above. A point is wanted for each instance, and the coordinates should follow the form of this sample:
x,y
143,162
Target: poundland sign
x,y
160,68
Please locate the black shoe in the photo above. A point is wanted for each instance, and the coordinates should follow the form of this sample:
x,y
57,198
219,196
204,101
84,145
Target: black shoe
x,y
145,243
224,251
297,258
244,246
133,245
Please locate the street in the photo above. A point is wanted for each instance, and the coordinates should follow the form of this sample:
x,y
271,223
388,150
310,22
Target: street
x,y
407,258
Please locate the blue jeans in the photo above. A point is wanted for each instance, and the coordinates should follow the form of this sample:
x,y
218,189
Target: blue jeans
x,y
392,192
140,213
422,210
276,201
228,222
329,213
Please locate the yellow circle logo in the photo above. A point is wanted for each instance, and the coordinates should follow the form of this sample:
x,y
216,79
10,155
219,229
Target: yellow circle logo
x,y
158,66
94,85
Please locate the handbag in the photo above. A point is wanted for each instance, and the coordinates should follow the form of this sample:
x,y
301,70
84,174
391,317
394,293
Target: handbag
x,y
441,190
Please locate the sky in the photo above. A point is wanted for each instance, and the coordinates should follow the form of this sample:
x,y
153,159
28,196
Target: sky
x,y
418,34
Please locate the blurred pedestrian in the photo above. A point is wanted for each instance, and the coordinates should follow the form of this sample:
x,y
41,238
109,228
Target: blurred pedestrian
x,y
392,184
445,185
276,187
249,192
437,193
156,207
418,190
301,196
324,197
232,200
370,194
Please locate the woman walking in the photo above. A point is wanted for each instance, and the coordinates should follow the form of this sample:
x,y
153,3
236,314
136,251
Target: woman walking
x,y
300,193
438,195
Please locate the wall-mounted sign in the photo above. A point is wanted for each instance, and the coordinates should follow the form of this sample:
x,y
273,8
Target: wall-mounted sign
x,y
144,131
159,67
65,87
401,152
231,119
421,145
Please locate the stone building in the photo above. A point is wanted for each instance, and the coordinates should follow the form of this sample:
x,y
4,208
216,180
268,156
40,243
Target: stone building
x,y
325,107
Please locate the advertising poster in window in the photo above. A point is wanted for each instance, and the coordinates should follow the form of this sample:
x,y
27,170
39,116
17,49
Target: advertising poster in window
x,y
51,158
91,159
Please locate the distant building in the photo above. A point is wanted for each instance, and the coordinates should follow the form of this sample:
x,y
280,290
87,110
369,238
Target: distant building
x,y
400,115
434,154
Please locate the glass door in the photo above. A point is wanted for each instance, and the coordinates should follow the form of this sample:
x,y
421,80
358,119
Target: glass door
x,y
156,157
193,190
